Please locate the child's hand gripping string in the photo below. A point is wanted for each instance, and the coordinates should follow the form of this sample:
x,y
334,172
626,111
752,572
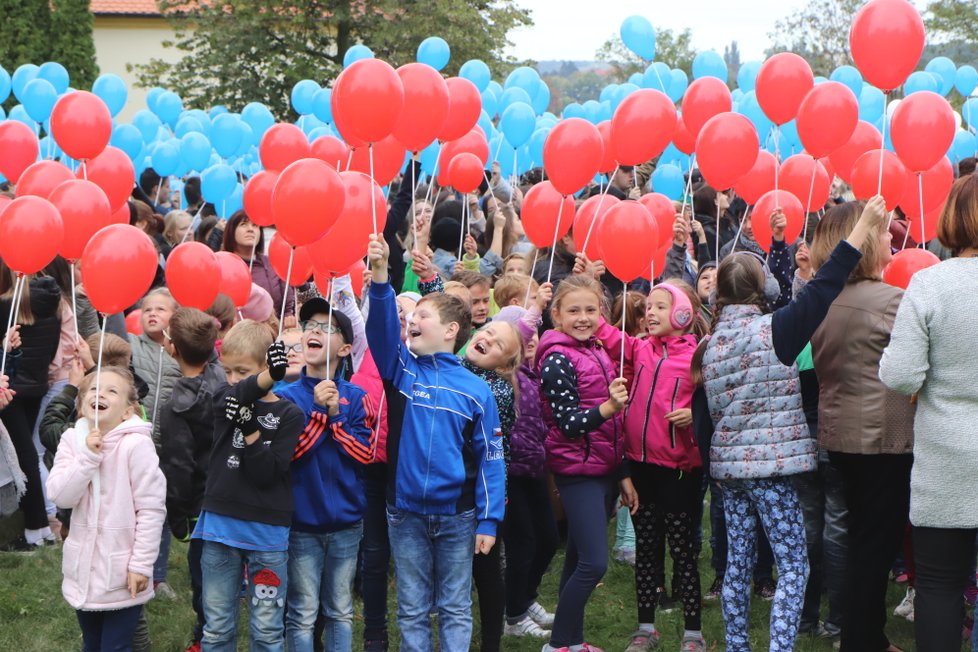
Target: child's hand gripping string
x,y
377,254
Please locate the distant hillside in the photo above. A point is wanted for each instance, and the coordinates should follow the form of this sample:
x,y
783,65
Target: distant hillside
x,y
567,68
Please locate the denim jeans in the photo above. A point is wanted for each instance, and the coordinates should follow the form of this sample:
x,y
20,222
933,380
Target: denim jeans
x,y
108,631
162,563
624,530
222,568
433,564
321,570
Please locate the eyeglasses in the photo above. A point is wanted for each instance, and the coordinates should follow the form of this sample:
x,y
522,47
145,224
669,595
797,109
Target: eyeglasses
x,y
297,347
324,326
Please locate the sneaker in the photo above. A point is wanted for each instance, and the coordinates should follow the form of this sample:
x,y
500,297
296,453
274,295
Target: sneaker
x,y
905,608
164,591
765,589
827,630
642,641
713,593
526,627
376,645
693,644
626,556
665,604
539,615
20,545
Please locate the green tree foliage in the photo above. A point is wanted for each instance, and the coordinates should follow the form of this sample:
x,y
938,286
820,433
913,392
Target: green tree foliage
x,y
24,35
239,51
731,56
952,20
72,44
670,48
819,32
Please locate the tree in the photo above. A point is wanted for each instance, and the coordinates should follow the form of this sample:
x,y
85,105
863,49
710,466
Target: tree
x,y
239,51
731,55
952,20
673,49
26,25
72,44
819,32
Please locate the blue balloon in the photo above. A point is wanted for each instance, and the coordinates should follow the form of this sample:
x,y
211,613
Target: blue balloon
x,y
607,92
226,135
658,76
148,125
668,179
187,124
152,96
3,114
169,106
638,35
217,110
751,109
945,69
820,79
19,114
747,75
604,111
636,78
319,132
234,202
302,96
574,110
56,74
871,101
541,98
4,84
259,118
195,150
217,182
965,144
970,112
592,111
485,123
128,139
517,123
678,85
709,64
309,123
356,53
921,81
736,94
434,51
965,80
477,72
490,102
166,157
512,96
39,99
322,105
849,76
495,87
22,76
523,77
113,91
429,158
248,141
623,91
535,146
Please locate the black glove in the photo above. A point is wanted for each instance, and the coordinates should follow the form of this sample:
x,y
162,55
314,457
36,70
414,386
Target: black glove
x,y
243,416
278,361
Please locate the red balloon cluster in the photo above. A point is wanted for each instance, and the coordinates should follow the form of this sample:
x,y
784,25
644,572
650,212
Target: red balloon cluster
x,y
591,211
905,264
627,236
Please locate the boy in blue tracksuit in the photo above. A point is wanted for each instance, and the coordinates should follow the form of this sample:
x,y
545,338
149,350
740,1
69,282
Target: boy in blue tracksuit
x,y
327,485
446,475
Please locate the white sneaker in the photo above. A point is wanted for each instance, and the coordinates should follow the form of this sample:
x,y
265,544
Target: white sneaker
x,y
526,627
539,615
905,608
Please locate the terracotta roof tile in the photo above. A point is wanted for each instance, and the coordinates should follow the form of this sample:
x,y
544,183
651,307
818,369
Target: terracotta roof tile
x,y
125,7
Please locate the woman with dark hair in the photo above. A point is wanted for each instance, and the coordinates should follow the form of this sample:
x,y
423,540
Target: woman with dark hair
x,y
246,239
709,202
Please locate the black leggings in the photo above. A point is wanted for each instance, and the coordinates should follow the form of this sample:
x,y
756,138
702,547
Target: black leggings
x,y
19,417
531,541
943,558
487,571
667,506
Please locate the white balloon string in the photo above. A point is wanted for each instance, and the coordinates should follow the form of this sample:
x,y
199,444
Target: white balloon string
x,y
329,336
98,374
553,249
373,195
414,207
717,239
74,300
624,311
923,225
254,246
811,190
285,290
11,319
879,182
465,221
529,285
159,378
597,211
689,182
740,229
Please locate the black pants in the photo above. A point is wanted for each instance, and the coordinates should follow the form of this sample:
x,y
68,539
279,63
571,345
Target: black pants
x,y
19,418
667,507
487,571
376,554
877,492
942,558
194,551
108,631
531,541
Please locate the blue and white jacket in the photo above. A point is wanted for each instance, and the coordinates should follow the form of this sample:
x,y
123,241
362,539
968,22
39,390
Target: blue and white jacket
x,y
444,444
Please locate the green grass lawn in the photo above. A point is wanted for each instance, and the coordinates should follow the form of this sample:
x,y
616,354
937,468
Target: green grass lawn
x,y
35,618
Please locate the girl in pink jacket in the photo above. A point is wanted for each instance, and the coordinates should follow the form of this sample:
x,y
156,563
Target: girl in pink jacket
x,y
110,476
661,449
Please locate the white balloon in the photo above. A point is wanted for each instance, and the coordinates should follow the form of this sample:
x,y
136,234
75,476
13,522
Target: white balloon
x,y
891,107
957,120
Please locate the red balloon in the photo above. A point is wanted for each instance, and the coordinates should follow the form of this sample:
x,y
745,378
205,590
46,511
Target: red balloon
x,y
760,178
307,200
193,275
705,98
663,214
346,242
343,128
866,175
546,215
465,172
684,139
258,197
235,278
793,211
658,263
473,142
31,232
425,106
922,129
388,159
782,84
41,178
282,145
936,186
371,97
594,208
18,149
927,231
81,125
643,124
121,216
118,247
134,323
331,150
464,109
886,41
806,179
111,171
829,168
627,236
608,162
356,277
84,210
864,138
726,149
572,153
827,117
905,264
278,255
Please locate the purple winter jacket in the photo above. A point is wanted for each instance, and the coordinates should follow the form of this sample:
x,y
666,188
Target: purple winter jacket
x,y
526,440
600,452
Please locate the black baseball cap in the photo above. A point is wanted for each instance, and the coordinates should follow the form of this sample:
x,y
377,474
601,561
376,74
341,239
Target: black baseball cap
x,y
319,305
